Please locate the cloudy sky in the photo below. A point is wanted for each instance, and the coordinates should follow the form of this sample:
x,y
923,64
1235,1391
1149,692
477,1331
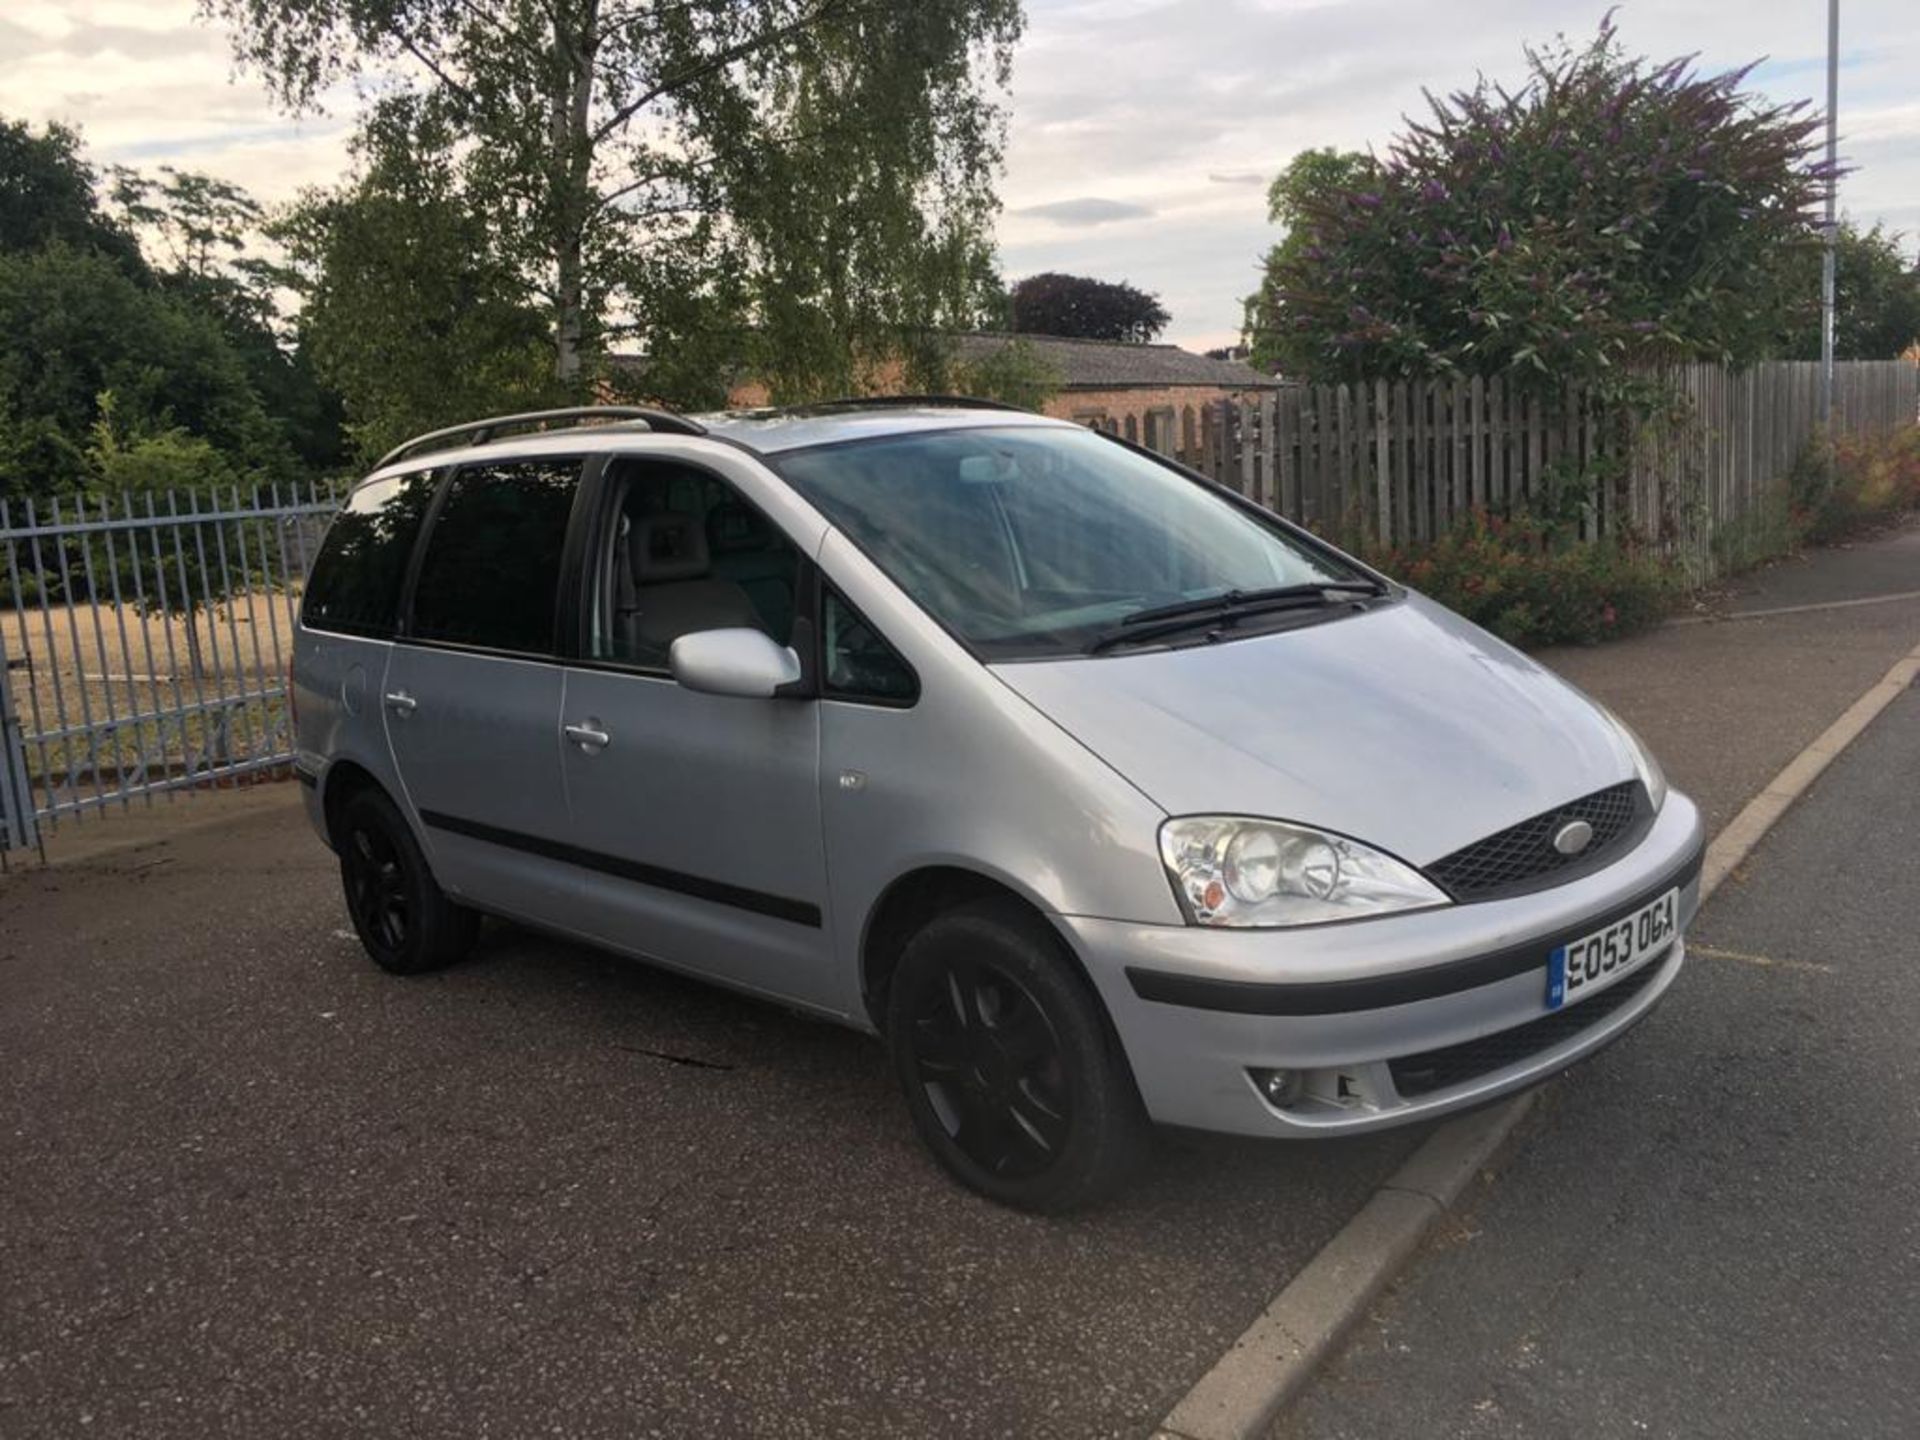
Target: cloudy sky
x,y
1143,131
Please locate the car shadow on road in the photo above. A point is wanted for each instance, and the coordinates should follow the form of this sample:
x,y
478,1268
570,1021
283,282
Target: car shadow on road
x,y
724,1040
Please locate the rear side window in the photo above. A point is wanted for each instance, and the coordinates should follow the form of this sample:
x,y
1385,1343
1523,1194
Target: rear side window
x,y
355,584
492,565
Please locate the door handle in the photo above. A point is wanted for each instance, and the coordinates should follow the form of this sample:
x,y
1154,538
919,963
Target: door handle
x,y
401,703
589,737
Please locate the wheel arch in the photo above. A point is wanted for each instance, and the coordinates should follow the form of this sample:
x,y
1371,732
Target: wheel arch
x,y
341,781
913,899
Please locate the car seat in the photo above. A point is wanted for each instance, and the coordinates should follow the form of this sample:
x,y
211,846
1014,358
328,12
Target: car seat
x,y
752,554
674,592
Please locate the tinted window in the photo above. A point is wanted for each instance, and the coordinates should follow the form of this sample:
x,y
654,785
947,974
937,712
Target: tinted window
x,y
1035,541
492,564
860,664
355,585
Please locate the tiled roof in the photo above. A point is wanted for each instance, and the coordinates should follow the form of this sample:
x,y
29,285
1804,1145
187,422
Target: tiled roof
x,y
1114,364
1093,364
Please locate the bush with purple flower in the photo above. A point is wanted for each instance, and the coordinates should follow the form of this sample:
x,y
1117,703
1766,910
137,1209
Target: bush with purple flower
x,y
1609,211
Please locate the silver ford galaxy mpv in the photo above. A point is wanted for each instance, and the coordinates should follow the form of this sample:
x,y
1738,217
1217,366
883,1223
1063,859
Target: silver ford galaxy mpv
x,y
1101,793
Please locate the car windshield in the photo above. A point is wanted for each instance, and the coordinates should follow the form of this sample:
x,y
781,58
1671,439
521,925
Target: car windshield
x,y
1029,542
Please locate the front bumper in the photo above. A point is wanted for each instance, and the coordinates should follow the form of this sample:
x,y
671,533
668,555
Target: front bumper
x,y
1343,1008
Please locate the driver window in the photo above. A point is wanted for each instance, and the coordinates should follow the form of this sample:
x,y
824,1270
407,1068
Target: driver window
x,y
686,553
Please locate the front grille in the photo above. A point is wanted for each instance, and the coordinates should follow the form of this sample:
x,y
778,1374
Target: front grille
x,y
1417,1075
1522,856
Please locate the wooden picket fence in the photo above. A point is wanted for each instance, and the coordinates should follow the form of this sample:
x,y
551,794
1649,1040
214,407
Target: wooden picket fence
x,y
1397,462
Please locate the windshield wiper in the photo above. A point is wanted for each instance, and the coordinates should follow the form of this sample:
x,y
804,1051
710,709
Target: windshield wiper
x,y
1228,609
1232,601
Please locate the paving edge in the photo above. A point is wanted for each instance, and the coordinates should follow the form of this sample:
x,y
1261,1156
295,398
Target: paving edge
x,y
1271,1362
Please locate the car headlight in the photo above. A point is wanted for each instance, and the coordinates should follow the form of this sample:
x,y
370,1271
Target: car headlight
x,y
1648,768
1249,873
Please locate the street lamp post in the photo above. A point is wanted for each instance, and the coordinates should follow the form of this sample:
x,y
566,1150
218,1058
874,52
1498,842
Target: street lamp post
x,y
1833,226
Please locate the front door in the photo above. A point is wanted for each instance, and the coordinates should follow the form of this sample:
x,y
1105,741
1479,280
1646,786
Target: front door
x,y
473,687
697,817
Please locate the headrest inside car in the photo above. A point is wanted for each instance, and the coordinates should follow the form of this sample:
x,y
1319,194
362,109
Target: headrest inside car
x,y
733,527
667,547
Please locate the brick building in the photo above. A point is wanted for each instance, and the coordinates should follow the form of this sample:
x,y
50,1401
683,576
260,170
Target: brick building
x,y
1099,379
1112,379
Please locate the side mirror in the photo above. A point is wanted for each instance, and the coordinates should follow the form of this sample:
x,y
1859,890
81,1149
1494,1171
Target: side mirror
x,y
741,662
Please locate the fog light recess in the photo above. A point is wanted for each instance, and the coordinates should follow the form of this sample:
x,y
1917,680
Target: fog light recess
x,y
1276,1087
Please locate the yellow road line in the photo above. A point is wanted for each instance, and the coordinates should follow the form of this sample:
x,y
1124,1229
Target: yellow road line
x,y
1714,952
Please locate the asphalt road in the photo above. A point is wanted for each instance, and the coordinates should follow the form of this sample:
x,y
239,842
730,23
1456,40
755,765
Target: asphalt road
x,y
250,1186
1712,1229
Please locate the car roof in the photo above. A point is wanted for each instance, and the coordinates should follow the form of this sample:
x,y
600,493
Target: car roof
x,y
764,432
768,432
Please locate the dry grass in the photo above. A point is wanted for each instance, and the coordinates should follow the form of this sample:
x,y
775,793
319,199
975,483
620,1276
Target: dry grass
x,y
128,682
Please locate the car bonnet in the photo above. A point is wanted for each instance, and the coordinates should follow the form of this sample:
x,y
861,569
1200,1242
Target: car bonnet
x,y
1404,726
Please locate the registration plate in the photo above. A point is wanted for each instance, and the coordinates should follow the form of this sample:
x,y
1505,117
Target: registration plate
x,y
1588,965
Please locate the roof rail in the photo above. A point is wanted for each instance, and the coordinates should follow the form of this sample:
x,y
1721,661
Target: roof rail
x,y
951,402
481,431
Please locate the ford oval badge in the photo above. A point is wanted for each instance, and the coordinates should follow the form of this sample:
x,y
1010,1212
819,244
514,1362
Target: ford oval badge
x,y
1573,837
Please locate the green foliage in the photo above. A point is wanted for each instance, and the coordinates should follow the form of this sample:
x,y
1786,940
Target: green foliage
x,y
1309,178
1609,211
1084,309
1862,485
1876,298
47,198
72,326
208,232
1520,578
809,179
1015,374
202,221
860,219
201,565
187,340
407,314
154,462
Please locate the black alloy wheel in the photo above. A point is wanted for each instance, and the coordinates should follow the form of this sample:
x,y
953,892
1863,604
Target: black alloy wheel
x,y
404,919
1011,1073
376,887
990,1065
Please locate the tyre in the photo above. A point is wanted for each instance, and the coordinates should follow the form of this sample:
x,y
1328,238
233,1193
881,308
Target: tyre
x,y
403,918
1013,1078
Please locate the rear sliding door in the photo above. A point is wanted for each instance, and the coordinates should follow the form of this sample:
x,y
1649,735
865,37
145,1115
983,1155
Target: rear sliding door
x,y
473,689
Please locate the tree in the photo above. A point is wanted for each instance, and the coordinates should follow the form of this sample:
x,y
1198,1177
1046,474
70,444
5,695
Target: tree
x,y
161,464
73,326
47,198
1609,210
1072,305
187,339
209,235
1876,299
407,314
1014,374
786,168
202,221
1307,180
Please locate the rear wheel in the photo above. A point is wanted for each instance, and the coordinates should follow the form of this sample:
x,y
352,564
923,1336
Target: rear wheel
x,y
403,918
1008,1067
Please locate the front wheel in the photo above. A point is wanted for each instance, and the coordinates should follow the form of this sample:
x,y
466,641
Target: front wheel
x,y
1010,1073
403,917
